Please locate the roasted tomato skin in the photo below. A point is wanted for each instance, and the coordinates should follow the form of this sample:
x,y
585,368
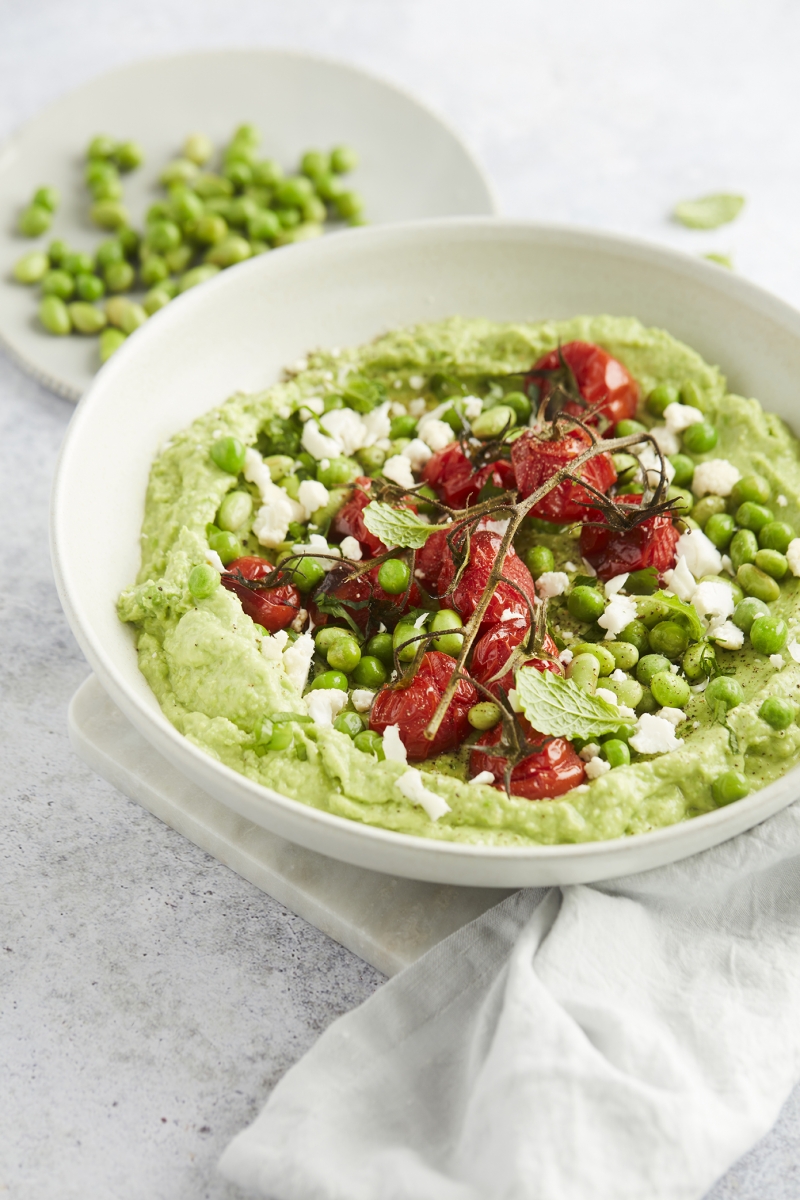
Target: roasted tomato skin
x,y
651,544
373,601
349,521
275,608
493,649
556,769
452,476
508,601
536,460
602,380
429,561
413,706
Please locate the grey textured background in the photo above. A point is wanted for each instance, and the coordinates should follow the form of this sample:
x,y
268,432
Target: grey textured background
x,y
149,998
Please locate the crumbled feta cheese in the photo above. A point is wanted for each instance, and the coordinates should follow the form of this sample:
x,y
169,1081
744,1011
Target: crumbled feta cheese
x,y
618,675
417,407
435,433
411,786
794,650
346,427
620,611
318,444
702,556
596,768
362,699
793,556
417,453
271,522
678,417
568,635
697,688
566,657
272,647
728,635
378,423
589,751
588,569
717,477
416,382
351,548
313,404
552,583
297,659
398,469
681,581
324,704
393,746
483,777
570,566
727,565
214,560
312,495
776,661
665,439
616,584
675,716
473,407
490,526
654,735
781,501
607,695
713,599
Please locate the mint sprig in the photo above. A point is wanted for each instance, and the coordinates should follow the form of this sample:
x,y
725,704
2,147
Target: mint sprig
x,y
398,526
557,707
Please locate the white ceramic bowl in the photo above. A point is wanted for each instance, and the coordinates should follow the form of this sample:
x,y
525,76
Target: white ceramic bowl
x,y
240,330
412,165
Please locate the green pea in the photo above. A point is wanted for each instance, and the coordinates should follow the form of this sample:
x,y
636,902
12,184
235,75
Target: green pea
x,y
228,454
651,611
626,428
492,422
719,530
278,466
110,342
746,612
203,580
539,559
615,752
649,666
584,670
585,603
683,499
775,535
743,548
119,277
330,680
403,427
625,655
380,646
343,159
234,511
157,298
371,459
724,689
226,545
101,146
307,573
700,438
90,287
777,712
768,635
109,214
57,252
699,662
449,643
642,583
349,723
753,489
753,516
627,691
684,469
109,188
31,267
728,787
229,251
754,582
86,318
484,715
54,316
636,634
772,562
197,275
370,672
370,742
631,489
58,283
662,396
338,472
605,658
647,704
344,654
34,221
394,576
706,508
671,691
669,638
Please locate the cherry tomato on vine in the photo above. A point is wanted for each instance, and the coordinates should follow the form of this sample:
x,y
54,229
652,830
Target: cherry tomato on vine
x,y
493,649
602,381
274,608
651,544
554,770
453,476
349,521
537,459
367,602
510,601
411,708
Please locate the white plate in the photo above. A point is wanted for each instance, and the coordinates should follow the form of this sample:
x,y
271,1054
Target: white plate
x,y
412,165
239,330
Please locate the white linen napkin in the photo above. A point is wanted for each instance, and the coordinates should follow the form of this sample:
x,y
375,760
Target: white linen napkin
x,y
624,1041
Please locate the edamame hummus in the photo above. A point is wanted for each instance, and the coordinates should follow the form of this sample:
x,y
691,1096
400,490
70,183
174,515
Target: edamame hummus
x,y
483,583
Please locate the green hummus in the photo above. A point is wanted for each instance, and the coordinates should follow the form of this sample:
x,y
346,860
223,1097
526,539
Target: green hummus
x,y
206,662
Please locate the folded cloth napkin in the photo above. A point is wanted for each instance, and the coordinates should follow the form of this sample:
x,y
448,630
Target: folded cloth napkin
x,y
624,1041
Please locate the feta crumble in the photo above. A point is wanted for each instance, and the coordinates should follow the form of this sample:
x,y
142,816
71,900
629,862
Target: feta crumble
x,y
616,584
312,495
417,453
351,548
678,417
717,477
793,556
416,382
776,661
552,583
654,735
681,581
297,660
214,560
483,777
324,704
665,439
393,746
473,407
597,767
702,556
781,501
794,650
607,695
618,675
347,428
272,647
566,657
728,636
589,751
675,716
417,407
435,433
411,786
713,599
318,444
398,469
362,699
620,611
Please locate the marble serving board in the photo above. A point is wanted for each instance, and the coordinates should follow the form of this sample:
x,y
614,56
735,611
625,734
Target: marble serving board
x,y
387,921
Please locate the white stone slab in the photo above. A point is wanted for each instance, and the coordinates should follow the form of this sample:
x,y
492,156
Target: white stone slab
x,y
387,921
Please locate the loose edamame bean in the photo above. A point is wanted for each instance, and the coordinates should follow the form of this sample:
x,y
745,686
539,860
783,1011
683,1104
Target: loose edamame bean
x,y
330,680
178,259
584,670
539,559
180,170
380,646
228,454
48,197
109,188
728,787
719,529
370,672
626,427
203,580
86,318
349,723
404,632
235,509
344,654
521,405
746,612
661,396
753,516
671,691
652,610
89,287
197,275
327,635
683,499
57,251
743,548
229,251
154,270
110,341
156,298
754,582
669,638
772,562
198,148
101,146
484,715
210,229
603,655
585,603
108,252
753,489
339,471
54,316
684,469
777,712
775,535
133,317
699,438
58,283
706,508
626,467
315,162
615,752
394,576
627,691
724,689
448,643
343,159
370,742
31,267
34,221
625,655
699,661
492,422
109,214
119,276
649,666
647,704
768,635
636,634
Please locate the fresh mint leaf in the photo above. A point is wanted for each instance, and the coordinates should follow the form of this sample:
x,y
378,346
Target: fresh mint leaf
x,y
709,212
397,526
686,611
557,707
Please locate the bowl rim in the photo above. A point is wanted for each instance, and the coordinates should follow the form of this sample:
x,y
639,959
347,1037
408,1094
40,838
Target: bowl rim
x,y
152,722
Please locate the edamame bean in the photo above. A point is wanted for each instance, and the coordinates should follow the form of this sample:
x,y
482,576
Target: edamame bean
x,y
54,317
753,516
34,221
647,704
31,267
754,582
649,666
746,612
198,148
197,275
625,655
777,712
101,146
47,197
627,691
203,581
210,229
89,287
521,405
108,252
584,670
394,576
110,342
728,787
58,283
119,276
651,611
683,500
492,422
585,603
132,317
626,467
77,262
699,662
338,472
775,535
235,509
724,689
178,258
768,635
671,691
603,655
330,680
238,171
107,189
306,573
370,672
343,159
661,396
626,427
229,251
684,469
690,394
57,252
228,454
719,530
753,489
109,214
370,742
706,508
743,548
327,635
315,162
636,634
669,638
163,236
86,318
349,723
380,646
699,438
539,559
180,170
404,632
448,643
772,562
156,298
344,654
484,715
371,459
615,752
185,206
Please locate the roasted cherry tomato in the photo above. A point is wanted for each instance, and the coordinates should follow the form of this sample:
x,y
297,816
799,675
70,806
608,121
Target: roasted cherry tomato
x,y
651,544
603,382
536,460
274,608
556,768
430,560
412,707
493,649
508,602
349,521
365,600
456,481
